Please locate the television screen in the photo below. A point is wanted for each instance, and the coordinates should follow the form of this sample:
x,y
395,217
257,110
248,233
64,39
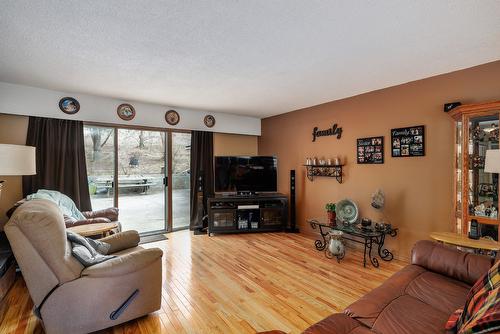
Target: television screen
x,y
237,174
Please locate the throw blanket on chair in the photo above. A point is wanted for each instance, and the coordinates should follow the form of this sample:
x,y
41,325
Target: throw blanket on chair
x,y
88,251
65,203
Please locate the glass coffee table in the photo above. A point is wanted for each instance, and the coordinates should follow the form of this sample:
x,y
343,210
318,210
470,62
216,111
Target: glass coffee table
x,y
370,238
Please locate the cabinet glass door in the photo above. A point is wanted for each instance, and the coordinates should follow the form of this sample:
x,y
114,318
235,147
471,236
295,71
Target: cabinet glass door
x,y
271,217
458,176
482,195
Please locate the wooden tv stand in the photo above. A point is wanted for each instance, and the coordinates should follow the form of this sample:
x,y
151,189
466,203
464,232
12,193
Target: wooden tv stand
x,y
247,214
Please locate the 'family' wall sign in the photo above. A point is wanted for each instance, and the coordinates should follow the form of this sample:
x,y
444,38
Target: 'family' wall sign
x,y
333,131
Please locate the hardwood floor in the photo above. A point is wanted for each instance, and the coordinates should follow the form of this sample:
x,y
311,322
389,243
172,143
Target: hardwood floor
x,y
235,284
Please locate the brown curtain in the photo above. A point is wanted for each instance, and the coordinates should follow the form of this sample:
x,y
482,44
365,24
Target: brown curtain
x,y
60,159
202,183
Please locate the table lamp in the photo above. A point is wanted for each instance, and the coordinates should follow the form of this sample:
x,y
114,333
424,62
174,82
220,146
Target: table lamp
x,y
492,161
16,160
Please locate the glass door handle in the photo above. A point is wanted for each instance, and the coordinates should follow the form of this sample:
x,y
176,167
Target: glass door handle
x,y
165,181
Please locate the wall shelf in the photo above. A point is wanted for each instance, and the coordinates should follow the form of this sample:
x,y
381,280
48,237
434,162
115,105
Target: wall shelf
x,y
335,171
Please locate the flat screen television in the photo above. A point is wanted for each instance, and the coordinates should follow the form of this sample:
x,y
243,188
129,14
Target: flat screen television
x,y
254,174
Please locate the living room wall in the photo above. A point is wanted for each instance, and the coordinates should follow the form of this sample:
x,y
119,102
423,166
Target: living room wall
x,y
419,190
13,129
231,144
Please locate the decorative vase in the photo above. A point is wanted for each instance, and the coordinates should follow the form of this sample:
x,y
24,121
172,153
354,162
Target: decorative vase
x,y
336,246
332,216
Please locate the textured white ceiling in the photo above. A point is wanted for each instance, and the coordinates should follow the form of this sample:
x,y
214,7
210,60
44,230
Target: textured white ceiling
x,y
255,57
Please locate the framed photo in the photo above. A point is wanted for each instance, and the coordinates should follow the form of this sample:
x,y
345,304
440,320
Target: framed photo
x,y
408,142
69,105
125,111
370,150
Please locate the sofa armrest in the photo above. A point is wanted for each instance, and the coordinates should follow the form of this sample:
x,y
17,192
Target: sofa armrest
x,y
122,240
449,261
124,264
110,213
70,222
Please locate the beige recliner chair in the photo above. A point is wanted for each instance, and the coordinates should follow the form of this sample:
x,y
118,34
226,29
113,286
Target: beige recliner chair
x,y
70,298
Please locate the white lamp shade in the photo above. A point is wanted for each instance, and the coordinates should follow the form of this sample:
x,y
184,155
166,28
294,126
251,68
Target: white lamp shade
x,y
17,160
492,161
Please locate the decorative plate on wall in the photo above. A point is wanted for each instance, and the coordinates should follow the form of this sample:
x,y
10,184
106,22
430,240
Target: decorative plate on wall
x,y
209,121
69,105
125,111
172,117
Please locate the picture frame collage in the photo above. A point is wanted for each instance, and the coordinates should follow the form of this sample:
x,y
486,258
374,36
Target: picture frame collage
x,y
405,142
408,142
370,150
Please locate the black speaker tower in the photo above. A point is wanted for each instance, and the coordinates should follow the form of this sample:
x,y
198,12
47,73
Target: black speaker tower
x,y
201,216
292,228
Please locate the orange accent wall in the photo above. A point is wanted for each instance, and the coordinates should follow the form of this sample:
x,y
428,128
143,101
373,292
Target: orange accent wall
x,y
231,144
419,190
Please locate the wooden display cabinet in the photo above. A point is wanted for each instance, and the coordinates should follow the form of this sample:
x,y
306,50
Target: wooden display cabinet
x,y
476,192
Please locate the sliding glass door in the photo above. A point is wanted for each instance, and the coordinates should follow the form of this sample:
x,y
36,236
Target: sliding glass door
x,y
181,177
141,180
145,173
100,156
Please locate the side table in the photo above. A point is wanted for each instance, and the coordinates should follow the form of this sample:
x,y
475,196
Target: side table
x,y
463,241
93,229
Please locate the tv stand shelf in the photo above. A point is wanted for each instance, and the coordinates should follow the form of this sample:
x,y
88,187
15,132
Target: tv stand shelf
x,y
247,214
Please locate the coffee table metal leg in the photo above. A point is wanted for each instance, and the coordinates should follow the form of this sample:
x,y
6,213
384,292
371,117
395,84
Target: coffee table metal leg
x,y
384,253
373,259
321,245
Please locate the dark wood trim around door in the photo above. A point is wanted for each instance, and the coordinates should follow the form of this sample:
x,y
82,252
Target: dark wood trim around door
x,y
170,205
115,177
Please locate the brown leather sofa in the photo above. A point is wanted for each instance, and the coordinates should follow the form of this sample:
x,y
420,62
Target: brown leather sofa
x,y
71,298
418,299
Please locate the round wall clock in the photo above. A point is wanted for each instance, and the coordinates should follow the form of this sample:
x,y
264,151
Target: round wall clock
x,y
172,117
69,105
125,111
209,121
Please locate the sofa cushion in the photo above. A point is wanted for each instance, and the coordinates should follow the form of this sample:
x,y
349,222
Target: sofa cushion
x,y
424,298
438,291
367,308
445,260
338,323
407,314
